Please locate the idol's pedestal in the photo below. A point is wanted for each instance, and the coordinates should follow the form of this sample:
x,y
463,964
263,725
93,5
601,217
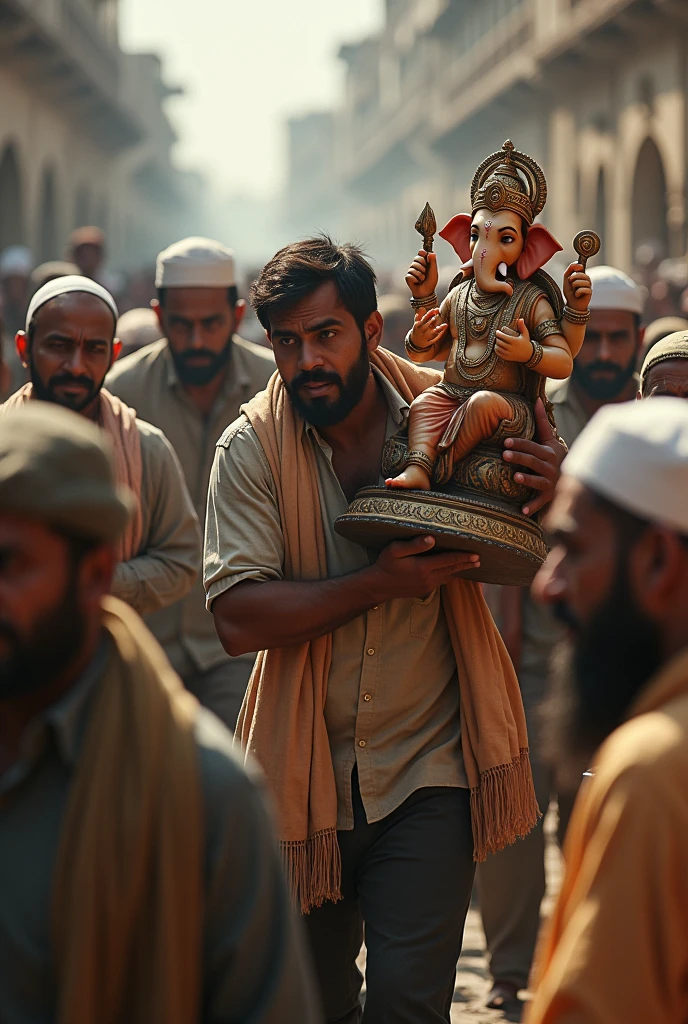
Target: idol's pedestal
x,y
479,510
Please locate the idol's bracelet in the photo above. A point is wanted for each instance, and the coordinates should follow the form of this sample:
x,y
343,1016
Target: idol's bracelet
x,y
410,347
574,317
416,458
427,302
538,353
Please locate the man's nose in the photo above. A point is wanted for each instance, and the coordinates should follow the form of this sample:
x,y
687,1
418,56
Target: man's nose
x,y
197,340
310,356
549,585
605,349
76,361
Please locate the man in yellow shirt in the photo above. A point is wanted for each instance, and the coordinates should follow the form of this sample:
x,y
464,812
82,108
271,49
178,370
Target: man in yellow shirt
x,y
616,949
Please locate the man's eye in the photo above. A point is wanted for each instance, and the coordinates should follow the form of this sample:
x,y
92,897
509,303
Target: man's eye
x,y
287,341
326,335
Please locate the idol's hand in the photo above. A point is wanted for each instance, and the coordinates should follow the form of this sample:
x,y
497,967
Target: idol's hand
x,y
423,276
512,346
577,288
428,329
542,459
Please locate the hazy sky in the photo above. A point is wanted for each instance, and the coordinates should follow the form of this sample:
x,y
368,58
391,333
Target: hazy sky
x,y
246,64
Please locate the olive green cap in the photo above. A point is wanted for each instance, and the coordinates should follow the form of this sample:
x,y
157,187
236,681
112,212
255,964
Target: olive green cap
x,y
56,466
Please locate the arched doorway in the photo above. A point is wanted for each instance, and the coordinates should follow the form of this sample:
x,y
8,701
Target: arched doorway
x,y
11,208
49,243
601,212
649,209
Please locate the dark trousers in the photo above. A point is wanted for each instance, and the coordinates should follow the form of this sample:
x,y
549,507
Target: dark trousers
x,y
408,878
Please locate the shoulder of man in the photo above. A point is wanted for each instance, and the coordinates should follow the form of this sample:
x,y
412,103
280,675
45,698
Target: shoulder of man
x,y
155,445
134,369
242,449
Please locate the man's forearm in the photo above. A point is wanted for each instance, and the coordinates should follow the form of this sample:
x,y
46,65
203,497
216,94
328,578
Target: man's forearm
x,y
256,616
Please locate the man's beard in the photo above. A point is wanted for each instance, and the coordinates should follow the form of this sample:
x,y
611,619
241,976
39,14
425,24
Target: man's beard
x,y
47,393
201,374
323,412
596,678
37,659
606,387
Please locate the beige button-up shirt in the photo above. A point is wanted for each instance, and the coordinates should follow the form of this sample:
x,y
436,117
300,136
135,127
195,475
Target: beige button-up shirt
x,y
392,705
147,381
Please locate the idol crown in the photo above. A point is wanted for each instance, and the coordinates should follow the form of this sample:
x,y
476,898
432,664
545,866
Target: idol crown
x,y
498,185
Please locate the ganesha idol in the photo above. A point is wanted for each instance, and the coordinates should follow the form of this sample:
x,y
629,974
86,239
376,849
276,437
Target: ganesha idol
x,y
501,331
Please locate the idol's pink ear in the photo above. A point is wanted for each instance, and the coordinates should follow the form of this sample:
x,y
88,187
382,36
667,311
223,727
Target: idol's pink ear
x,y
540,247
458,232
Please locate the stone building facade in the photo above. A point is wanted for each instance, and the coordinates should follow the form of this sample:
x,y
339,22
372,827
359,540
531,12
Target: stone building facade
x,y
596,90
84,138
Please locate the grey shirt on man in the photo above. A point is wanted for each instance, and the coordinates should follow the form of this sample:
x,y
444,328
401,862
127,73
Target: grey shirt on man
x,y
392,706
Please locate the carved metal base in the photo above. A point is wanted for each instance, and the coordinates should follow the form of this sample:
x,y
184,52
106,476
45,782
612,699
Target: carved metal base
x,y
510,545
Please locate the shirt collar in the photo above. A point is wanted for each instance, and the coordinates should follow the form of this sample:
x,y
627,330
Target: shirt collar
x,y
398,407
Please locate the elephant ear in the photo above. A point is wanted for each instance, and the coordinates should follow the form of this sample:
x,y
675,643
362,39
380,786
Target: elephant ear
x,y
540,247
458,233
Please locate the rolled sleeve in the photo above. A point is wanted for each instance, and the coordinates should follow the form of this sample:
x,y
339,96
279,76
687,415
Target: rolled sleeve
x,y
243,532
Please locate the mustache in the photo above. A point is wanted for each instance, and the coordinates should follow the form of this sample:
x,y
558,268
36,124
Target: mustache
x,y
563,614
197,353
70,378
601,367
315,377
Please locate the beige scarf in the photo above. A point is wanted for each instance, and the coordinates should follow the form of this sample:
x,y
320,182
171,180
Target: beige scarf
x,y
119,423
128,888
282,721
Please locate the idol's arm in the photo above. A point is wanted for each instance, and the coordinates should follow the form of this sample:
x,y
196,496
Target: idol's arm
x,y
546,353
577,293
258,616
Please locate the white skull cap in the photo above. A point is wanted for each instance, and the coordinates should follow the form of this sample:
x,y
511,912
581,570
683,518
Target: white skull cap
x,y
195,263
612,289
65,285
635,454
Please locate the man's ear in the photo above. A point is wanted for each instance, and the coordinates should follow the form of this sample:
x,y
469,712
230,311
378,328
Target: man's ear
x,y
239,313
541,245
373,330
116,350
656,568
21,342
157,309
458,233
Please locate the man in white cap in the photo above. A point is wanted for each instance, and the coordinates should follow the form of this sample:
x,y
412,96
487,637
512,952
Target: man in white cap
x,y
68,346
616,949
191,385
512,883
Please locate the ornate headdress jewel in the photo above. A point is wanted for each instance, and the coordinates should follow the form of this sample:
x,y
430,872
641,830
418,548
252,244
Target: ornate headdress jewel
x,y
497,184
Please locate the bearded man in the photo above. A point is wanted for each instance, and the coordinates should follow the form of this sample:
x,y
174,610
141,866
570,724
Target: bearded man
x,y
512,883
616,948
138,875
191,384
68,346
383,706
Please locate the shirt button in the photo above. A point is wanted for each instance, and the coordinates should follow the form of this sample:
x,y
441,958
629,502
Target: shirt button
x,y
367,696
371,651
361,743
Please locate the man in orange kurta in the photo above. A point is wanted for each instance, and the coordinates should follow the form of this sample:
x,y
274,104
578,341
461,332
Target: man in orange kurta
x,y
616,948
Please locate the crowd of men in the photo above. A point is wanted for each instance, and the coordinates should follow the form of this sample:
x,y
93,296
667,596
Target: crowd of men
x,y
167,511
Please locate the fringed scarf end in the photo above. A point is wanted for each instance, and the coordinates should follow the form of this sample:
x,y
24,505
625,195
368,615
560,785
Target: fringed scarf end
x,y
314,869
503,806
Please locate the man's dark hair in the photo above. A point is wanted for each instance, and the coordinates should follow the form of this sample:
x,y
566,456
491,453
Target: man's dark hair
x,y
232,296
301,267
